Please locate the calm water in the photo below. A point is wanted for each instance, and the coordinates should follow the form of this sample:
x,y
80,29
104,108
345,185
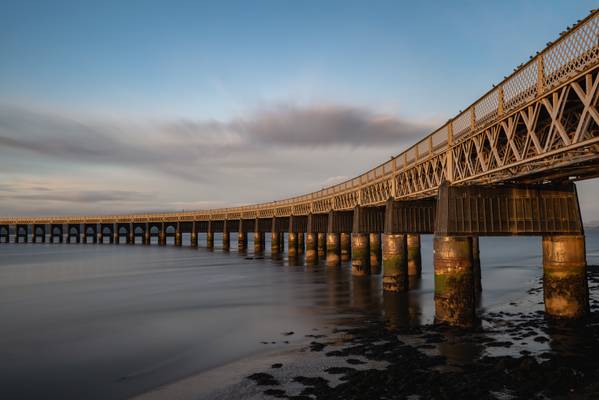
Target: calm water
x,y
99,321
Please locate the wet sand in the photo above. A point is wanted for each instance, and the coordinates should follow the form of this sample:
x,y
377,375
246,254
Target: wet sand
x,y
512,354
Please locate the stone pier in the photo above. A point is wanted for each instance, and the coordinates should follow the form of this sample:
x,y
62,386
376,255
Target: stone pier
x,y
565,286
210,240
242,241
395,263
345,245
275,244
333,251
322,245
178,235
476,267
292,244
226,240
360,247
454,281
414,255
259,242
300,243
375,253
311,251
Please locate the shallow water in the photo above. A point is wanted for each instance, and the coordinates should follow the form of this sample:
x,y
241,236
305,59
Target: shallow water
x,y
99,321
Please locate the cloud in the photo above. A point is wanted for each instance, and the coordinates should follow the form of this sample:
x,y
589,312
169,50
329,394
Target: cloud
x,y
165,143
328,126
59,162
38,192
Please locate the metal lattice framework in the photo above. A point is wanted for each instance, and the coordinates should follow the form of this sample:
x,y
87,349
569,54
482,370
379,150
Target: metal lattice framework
x,y
541,123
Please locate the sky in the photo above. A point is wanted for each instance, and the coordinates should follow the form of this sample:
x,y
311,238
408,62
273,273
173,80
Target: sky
x,y
127,106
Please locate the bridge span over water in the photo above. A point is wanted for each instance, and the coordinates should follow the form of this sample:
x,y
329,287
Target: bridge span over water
x,y
507,165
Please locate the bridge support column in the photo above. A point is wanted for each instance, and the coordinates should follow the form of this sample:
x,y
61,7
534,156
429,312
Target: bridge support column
x,y
242,240
375,253
131,235
210,240
274,243
360,260
300,243
162,235
226,240
258,242
476,272
292,245
146,237
115,234
281,242
193,236
101,236
414,255
345,244
311,252
395,263
565,286
322,245
178,235
454,281
333,258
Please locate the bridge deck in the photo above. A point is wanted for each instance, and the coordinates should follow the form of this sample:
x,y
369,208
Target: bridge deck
x,y
541,123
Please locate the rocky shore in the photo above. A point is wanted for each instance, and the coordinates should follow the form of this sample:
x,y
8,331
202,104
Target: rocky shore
x,y
511,355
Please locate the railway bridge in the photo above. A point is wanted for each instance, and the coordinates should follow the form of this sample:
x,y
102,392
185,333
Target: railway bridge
x,y
507,165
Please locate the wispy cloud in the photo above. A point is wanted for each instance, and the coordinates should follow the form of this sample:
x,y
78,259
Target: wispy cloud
x,y
126,164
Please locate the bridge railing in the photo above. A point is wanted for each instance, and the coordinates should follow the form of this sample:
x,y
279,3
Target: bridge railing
x,y
574,51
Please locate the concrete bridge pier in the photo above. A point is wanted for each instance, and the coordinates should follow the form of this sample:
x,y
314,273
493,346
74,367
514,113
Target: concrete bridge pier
x,y
210,240
322,245
476,267
146,235
226,240
345,245
300,243
375,253
194,235
116,238
333,250
360,260
259,242
292,244
414,255
565,286
210,236
178,235
274,243
454,281
242,241
395,263
162,235
311,251
131,235
101,235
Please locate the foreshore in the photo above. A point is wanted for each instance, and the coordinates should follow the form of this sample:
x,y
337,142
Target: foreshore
x,y
512,354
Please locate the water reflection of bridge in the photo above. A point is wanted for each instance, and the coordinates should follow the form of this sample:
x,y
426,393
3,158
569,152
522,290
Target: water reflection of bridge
x,y
504,166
